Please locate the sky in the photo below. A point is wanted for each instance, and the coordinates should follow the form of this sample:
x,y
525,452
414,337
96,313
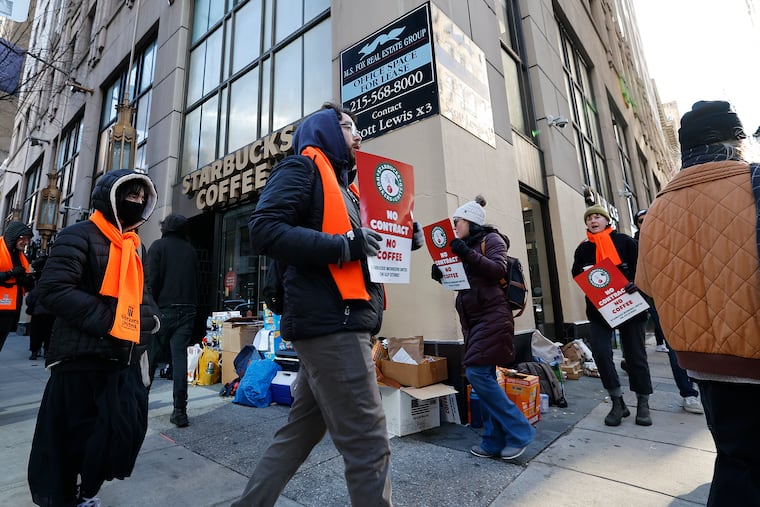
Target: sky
x,y
704,50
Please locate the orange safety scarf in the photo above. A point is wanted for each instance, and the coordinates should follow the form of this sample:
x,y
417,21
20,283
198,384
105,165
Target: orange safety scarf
x,y
9,295
348,276
605,248
123,279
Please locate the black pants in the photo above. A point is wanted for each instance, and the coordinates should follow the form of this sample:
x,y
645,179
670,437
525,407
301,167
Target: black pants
x,y
632,337
176,334
732,412
8,322
91,424
39,331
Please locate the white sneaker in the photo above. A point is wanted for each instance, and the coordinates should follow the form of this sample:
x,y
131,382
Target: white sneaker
x,y
89,502
693,405
661,348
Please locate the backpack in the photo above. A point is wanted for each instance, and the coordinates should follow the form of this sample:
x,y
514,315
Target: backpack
x,y
513,283
549,382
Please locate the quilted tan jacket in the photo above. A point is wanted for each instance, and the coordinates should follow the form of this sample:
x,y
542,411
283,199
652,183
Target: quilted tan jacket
x,y
698,259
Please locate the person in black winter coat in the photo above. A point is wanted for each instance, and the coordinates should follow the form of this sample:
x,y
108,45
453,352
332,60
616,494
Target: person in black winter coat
x,y
94,412
307,218
41,324
488,330
14,276
173,280
605,242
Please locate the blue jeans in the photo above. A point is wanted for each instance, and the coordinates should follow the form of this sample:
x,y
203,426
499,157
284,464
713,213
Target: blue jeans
x,y
175,335
684,383
504,425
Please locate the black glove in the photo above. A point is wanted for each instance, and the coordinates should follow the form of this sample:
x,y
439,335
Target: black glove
x,y
18,272
361,242
418,239
631,288
459,247
436,273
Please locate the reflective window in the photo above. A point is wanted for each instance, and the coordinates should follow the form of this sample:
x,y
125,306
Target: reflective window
x,y
142,72
261,63
67,163
515,71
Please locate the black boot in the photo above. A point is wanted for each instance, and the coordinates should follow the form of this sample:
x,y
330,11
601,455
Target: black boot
x,y
179,418
643,418
618,411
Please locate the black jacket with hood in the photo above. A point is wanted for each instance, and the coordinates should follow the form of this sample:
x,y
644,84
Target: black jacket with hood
x,y
172,266
286,225
70,286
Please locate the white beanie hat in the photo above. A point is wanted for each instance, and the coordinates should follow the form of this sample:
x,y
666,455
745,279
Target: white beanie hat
x,y
472,211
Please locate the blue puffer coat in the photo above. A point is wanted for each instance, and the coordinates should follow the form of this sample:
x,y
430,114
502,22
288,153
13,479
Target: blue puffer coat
x,y
286,225
70,285
487,323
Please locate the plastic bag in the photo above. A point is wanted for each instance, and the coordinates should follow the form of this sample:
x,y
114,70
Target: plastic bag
x,y
193,355
255,387
209,371
545,350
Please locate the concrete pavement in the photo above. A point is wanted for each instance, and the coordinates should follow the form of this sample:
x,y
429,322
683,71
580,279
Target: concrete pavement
x,y
575,460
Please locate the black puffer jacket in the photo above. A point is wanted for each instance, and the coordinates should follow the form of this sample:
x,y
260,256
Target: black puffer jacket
x,y
487,323
70,285
585,256
286,225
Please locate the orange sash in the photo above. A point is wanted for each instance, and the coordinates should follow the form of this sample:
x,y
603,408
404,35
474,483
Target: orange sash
x,y
123,279
348,276
9,295
605,248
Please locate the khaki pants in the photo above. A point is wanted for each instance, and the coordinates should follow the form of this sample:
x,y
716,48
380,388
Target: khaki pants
x,y
336,391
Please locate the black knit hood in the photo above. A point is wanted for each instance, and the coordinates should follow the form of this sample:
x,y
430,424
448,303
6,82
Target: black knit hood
x,y
104,195
13,231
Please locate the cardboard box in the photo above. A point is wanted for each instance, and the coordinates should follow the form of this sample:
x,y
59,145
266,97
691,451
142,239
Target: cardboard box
x,y
239,332
572,352
409,410
282,386
524,391
416,375
572,369
228,366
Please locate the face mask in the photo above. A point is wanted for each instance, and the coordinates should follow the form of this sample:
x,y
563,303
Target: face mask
x,y
130,212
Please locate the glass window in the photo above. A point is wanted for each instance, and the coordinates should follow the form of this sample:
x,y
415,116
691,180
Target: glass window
x,y
287,98
141,72
584,117
247,37
67,163
267,84
288,17
243,111
316,58
515,71
514,98
30,198
206,14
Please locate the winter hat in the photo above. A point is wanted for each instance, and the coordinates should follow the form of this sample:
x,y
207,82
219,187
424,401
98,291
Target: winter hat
x,y
598,210
13,231
709,121
472,211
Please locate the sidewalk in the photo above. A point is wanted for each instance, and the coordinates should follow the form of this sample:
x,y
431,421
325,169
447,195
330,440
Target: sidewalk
x,y
575,460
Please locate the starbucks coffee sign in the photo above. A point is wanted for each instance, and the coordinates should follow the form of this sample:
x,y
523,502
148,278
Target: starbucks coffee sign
x,y
238,175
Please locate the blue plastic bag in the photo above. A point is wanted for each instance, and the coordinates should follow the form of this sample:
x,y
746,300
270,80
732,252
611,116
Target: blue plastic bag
x,y
255,389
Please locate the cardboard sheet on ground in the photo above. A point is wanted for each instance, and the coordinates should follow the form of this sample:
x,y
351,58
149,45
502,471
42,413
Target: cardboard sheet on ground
x,y
603,283
387,190
437,237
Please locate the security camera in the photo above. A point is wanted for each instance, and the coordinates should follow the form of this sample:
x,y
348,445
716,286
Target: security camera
x,y
559,122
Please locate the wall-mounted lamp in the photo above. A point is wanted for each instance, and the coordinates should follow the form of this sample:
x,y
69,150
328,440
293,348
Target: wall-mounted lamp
x,y
47,213
554,121
77,87
36,141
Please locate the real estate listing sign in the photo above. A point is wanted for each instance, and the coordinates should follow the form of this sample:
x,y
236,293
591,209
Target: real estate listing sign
x,y
388,79
387,190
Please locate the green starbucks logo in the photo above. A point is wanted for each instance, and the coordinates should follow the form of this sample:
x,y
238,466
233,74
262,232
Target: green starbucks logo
x,y
389,182
599,278
438,235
